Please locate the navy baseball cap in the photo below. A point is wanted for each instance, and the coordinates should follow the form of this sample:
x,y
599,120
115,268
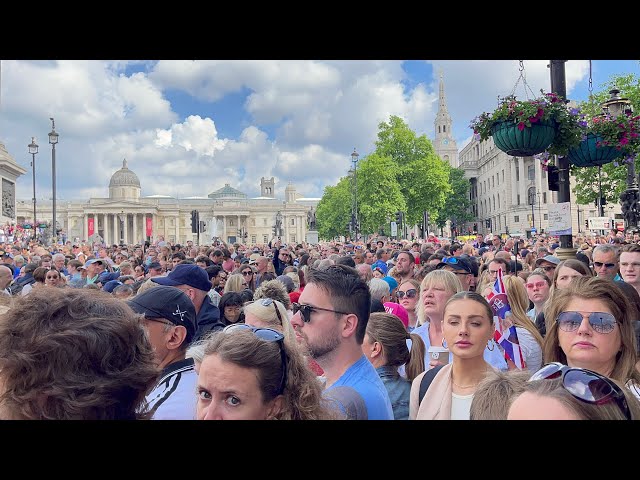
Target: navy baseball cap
x,y
168,303
186,274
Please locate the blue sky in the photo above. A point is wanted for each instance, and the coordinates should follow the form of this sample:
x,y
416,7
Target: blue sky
x,y
188,127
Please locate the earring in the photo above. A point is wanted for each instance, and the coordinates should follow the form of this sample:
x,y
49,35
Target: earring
x,y
444,343
493,345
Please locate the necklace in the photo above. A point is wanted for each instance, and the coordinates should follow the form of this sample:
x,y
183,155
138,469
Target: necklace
x,y
464,386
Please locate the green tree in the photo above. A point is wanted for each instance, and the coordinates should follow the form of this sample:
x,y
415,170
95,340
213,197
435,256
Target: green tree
x,y
379,195
614,175
423,177
457,206
334,209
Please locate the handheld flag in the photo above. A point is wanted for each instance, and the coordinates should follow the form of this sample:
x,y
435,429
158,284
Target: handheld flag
x,y
505,334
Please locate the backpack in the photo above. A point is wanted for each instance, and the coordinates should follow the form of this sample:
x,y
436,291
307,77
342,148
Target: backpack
x,y
16,287
426,381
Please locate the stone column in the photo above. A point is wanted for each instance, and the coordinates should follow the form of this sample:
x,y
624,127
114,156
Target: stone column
x,y
85,226
126,228
105,223
224,228
116,234
135,228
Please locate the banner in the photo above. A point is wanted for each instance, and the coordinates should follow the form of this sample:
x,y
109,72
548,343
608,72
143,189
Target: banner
x,y
149,226
91,230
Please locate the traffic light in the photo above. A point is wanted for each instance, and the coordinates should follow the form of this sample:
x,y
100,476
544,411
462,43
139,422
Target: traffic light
x,y
203,225
194,221
398,217
475,227
553,178
274,229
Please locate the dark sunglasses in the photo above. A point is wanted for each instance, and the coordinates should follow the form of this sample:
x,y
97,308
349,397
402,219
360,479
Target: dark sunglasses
x,y
411,293
306,310
600,264
601,322
265,302
247,272
585,385
268,335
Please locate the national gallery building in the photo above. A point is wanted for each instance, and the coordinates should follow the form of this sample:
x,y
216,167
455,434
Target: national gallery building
x,y
126,217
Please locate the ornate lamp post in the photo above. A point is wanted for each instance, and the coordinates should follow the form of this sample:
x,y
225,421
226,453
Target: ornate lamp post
x,y
53,140
33,150
616,106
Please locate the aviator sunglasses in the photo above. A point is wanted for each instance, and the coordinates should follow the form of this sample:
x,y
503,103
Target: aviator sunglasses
x,y
601,322
585,385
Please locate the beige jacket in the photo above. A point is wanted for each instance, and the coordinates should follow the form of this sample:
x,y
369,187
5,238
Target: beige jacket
x,y
436,404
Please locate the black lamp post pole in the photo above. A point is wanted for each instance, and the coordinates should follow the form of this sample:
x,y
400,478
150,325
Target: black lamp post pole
x,y
559,87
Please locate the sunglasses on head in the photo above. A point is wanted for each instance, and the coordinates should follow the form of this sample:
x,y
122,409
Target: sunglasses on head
x,y
601,322
265,302
585,385
450,260
306,310
411,293
268,335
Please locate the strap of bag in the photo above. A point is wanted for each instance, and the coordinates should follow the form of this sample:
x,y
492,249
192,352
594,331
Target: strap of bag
x,y
426,381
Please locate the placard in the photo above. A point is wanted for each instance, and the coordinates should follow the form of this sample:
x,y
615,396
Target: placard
x,y
560,218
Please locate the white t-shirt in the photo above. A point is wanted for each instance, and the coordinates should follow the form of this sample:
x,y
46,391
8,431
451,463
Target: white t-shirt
x,y
174,397
461,406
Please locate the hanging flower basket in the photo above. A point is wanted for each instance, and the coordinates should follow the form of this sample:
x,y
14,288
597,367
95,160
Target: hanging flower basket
x,y
591,153
523,142
523,128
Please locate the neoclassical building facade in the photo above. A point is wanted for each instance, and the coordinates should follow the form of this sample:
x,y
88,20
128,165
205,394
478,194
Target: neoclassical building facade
x,y
126,217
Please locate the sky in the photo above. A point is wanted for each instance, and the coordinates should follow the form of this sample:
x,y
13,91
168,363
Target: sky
x,y
186,128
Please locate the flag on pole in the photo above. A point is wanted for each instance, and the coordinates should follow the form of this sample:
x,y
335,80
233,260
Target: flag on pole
x,y
505,334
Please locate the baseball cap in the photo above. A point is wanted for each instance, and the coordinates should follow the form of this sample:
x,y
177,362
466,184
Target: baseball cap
x,y
457,263
110,285
253,258
95,260
169,303
549,258
186,274
393,283
397,310
381,267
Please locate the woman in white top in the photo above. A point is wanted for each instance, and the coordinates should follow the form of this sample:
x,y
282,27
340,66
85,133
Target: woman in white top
x,y
468,329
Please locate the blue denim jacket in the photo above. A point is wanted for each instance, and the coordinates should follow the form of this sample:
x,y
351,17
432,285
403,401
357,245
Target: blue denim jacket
x,y
399,389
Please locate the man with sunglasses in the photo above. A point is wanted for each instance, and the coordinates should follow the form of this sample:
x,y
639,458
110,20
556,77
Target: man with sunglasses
x,y
170,321
606,263
331,321
461,267
548,263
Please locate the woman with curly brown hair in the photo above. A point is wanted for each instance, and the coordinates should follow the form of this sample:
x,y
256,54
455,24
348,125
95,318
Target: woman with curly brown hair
x,y
250,373
73,354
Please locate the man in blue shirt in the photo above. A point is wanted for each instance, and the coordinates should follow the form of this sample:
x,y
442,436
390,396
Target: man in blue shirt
x,y
330,321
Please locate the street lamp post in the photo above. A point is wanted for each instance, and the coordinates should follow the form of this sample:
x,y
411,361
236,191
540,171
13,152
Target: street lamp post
x,y
33,150
559,87
53,140
629,199
539,214
354,211
532,202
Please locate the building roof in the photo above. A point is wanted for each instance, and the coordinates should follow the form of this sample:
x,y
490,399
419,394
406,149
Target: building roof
x,y
227,192
124,177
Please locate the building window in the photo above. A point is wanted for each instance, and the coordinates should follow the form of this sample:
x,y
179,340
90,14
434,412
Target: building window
x,y
532,172
517,171
264,239
253,239
518,199
173,222
516,218
231,222
293,222
546,216
292,238
544,197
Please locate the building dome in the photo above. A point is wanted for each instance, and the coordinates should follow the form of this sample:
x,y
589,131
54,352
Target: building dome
x,y
124,177
227,192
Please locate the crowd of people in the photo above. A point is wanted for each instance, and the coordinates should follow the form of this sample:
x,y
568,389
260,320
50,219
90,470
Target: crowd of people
x,y
377,330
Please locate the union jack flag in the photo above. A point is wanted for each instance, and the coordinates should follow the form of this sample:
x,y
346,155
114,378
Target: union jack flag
x,y
505,334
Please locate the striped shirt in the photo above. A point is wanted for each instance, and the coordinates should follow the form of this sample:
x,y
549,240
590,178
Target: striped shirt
x,y
174,397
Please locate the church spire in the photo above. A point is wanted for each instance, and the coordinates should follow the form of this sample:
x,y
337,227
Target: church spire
x,y
444,143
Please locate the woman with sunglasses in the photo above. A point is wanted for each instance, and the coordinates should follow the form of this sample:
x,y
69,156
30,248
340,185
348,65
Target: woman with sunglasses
x,y
593,329
248,275
559,392
408,294
468,330
270,313
250,373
